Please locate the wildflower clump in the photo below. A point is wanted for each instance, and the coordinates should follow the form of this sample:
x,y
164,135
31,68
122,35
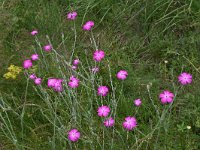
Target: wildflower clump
x,y
13,71
76,78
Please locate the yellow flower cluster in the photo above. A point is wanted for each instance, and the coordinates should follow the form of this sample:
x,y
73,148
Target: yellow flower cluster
x,y
13,71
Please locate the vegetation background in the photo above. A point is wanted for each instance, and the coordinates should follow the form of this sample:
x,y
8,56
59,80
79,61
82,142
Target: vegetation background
x,y
154,40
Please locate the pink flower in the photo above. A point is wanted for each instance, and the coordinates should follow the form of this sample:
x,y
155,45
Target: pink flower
x,y
166,97
27,64
109,122
74,67
88,25
38,81
137,102
95,69
122,74
74,82
58,85
47,48
98,55
76,62
35,57
103,111
102,90
185,78
74,135
72,15
32,76
34,32
130,123
51,82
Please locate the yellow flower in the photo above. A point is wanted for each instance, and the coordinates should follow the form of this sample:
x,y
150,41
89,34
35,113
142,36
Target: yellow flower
x,y
13,71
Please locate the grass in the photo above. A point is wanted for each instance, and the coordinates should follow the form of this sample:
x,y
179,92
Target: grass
x,y
153,40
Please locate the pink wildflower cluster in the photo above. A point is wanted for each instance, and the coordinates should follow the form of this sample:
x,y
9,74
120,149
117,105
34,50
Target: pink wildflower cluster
x,y
167,96
36,80
103,111
28,62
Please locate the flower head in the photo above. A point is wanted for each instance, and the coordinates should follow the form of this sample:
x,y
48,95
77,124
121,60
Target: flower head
x,y
74,82
74,67
9,75
103,90
35,57
103,111
76,62
185,78
47,48
56,84
166,97
34,32
88,25
95,69
98,55
74,135
27,64
130,123
14,69
122,74
72,15
51,82
38,81
137,102
32,76
109,122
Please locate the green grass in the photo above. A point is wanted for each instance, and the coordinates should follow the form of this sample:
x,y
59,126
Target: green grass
x,y
138,36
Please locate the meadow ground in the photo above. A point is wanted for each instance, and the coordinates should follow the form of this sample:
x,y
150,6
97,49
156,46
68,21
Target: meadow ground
x,y
153,40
